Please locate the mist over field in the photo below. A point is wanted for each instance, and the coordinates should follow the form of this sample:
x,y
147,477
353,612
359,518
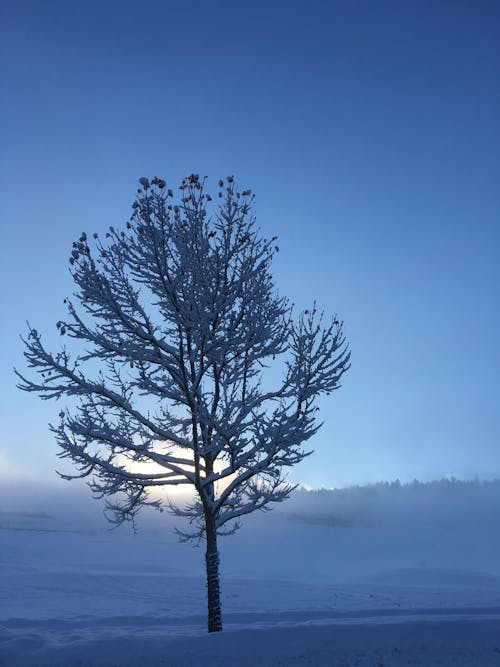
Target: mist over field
x,y
384,572
332,533
446,502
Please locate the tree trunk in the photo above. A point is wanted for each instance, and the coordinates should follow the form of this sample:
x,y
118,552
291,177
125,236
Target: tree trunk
x,y
213,587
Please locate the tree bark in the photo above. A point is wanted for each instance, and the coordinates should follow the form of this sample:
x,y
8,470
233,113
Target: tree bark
x,y
213,586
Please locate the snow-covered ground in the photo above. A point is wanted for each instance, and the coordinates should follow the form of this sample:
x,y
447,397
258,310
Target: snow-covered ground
x,y
381,576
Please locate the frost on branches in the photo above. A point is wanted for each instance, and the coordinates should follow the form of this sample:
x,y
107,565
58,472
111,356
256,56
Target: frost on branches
x,y
178,318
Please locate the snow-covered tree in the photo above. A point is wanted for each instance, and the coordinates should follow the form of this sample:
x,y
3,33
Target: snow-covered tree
x,y
178,317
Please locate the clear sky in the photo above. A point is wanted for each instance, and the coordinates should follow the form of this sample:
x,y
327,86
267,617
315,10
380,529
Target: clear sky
x,y
370,133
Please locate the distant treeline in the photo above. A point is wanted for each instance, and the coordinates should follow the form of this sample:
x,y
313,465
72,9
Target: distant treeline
x,y
444,484
445,502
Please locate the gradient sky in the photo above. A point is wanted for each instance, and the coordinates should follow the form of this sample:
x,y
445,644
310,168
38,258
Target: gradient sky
x,y
370,133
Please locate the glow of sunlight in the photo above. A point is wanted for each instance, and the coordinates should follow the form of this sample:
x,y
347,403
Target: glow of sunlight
x,y
181,493
178,494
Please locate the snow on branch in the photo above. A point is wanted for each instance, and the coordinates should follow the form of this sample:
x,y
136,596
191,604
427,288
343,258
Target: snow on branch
x,y
173,322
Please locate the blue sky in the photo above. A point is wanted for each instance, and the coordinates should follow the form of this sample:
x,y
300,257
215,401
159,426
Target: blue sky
x,y
370,134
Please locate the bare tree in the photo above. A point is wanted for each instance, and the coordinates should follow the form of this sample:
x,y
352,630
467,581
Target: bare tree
x,y
178,317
